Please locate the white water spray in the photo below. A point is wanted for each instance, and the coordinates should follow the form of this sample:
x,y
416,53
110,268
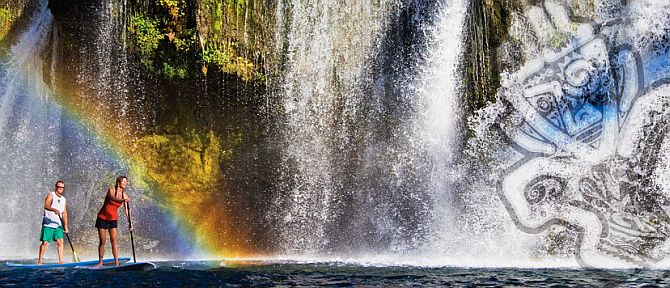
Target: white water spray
x,y
30,125
328,45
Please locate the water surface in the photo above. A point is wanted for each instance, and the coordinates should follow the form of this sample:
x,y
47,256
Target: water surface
x,y
259,274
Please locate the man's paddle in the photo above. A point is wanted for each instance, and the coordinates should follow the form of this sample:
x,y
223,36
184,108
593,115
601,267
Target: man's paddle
x,y
75,258
130,227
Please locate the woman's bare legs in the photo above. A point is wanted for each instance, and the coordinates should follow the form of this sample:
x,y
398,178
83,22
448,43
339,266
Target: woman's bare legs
x,y
115,249
101,247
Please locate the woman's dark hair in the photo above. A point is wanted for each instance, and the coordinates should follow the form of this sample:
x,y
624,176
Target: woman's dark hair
x,y
118,180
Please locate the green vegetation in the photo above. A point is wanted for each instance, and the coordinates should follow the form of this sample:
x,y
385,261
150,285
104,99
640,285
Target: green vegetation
x,y
225,58
7,18
186,163
147,35
182,164
175,39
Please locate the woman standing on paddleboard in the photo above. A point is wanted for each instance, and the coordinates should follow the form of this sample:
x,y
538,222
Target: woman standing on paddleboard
x,y
108,217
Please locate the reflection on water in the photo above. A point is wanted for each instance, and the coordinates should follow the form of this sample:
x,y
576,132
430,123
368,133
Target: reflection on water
x,y
258,273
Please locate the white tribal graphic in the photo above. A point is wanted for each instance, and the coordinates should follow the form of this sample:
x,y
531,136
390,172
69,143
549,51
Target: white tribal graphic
x,y
584,120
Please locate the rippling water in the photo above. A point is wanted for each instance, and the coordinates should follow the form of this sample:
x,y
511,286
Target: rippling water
x,y
199,274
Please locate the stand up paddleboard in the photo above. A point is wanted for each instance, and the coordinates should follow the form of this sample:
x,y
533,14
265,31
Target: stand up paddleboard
x,y
65,265
128,266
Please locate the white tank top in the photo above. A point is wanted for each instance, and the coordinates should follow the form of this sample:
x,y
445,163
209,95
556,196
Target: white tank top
x,y
50,218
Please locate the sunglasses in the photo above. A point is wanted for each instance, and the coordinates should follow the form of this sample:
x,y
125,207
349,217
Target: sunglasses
x,y
60,187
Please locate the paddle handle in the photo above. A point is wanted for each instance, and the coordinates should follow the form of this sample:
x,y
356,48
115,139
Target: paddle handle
x,y
130,225
66,234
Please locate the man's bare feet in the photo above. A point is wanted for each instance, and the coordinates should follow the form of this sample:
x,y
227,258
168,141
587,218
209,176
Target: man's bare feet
x,y
99,265
116,263
61,262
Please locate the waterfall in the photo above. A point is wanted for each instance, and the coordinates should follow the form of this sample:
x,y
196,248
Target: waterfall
x,y
45,138
568,166
109,76
557,172
368,143
440,122
327,49
30,125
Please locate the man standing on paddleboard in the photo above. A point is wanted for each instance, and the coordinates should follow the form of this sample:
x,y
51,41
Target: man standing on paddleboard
x,y
108,217
52,228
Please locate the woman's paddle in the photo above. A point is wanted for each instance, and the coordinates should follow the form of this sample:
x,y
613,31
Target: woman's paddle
x,y
130,227
75,258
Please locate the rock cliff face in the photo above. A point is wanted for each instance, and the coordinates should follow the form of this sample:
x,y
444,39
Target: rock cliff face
x,y
208,42
185,38
493,48
488,43
184,82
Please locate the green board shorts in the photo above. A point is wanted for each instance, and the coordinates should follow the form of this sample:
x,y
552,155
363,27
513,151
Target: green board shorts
x,y
51,234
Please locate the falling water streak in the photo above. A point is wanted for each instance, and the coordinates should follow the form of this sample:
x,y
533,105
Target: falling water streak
x,y
327,46
30,127
439,89
54,57
52,170
103,52
279,8
122,75
109,77
23,55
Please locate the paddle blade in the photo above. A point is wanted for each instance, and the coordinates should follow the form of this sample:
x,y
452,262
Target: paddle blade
x,y
75,258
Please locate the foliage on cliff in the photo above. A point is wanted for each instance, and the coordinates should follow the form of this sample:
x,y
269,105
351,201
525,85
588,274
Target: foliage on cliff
x,y
10,13
179,38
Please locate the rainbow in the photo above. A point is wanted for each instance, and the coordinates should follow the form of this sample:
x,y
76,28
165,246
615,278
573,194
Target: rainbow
x,y
187,193
149,171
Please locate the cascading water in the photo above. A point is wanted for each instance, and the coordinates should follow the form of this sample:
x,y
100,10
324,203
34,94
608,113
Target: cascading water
x,y
108,78
439,123
570,163
327,49
367,144
565,171
30,125
44,140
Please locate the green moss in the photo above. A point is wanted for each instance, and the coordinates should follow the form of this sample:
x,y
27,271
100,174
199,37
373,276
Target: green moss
x,y
175,8
213,55
260,77
174,71
226,59
488,29
7,18
216,11
147,36
170,45
238,5
181,163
